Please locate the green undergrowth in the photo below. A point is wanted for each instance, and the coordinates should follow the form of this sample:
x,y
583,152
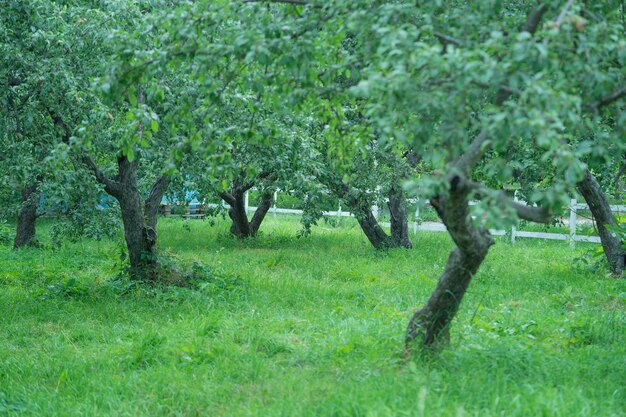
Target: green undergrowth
x,y
287,326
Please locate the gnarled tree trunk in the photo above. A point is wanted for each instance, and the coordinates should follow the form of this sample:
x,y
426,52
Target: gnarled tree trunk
x,y
139,217
399,218
361,207
261,211
601,211
370,226
241,226
430,324
140,247
27,216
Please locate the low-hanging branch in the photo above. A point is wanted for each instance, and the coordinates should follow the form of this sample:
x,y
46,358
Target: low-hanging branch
x,y
110,186
524,211
610,98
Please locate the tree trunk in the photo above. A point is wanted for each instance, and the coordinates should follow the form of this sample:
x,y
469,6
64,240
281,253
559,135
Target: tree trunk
x,y
153,204
138,242
360,206
139,220
431,323
139,217
261,211
601,211
399,219
27,216
237,213
241,226
374,233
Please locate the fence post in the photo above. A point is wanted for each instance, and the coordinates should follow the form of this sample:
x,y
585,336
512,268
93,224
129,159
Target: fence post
x,y
417,215
245,201
572,222
275,199
513,228
339,212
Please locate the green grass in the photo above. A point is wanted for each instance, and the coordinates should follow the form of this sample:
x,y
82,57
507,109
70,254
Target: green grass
x,y
307,327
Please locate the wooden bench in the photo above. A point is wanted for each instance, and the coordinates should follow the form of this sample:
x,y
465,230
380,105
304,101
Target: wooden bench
x,y
194,211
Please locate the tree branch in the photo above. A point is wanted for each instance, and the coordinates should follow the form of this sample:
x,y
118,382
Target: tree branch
x,y
445,39
534,18
261,211
608,99
151,205
110,186
531,25
229,198
474,152
524,212
157,191
563,13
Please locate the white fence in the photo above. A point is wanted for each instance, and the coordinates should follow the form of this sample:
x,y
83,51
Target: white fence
x,y
571,237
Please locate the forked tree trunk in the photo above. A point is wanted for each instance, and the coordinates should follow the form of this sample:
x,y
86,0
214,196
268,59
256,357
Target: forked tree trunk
x,y
139,217
430,325
601,211
237,213
241,226
399,218
361,207
27,216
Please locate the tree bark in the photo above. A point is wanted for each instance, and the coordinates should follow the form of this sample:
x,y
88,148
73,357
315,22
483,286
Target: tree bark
x,y
601,211
27,216
374,233
261,211
360,206
139,242
399,218
431,323
139,217
241,226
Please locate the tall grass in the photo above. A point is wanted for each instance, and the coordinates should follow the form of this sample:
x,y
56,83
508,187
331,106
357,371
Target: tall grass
x,y
306,327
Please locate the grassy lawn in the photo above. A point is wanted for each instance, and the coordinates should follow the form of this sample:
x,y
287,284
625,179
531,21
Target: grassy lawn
x,y
307,327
